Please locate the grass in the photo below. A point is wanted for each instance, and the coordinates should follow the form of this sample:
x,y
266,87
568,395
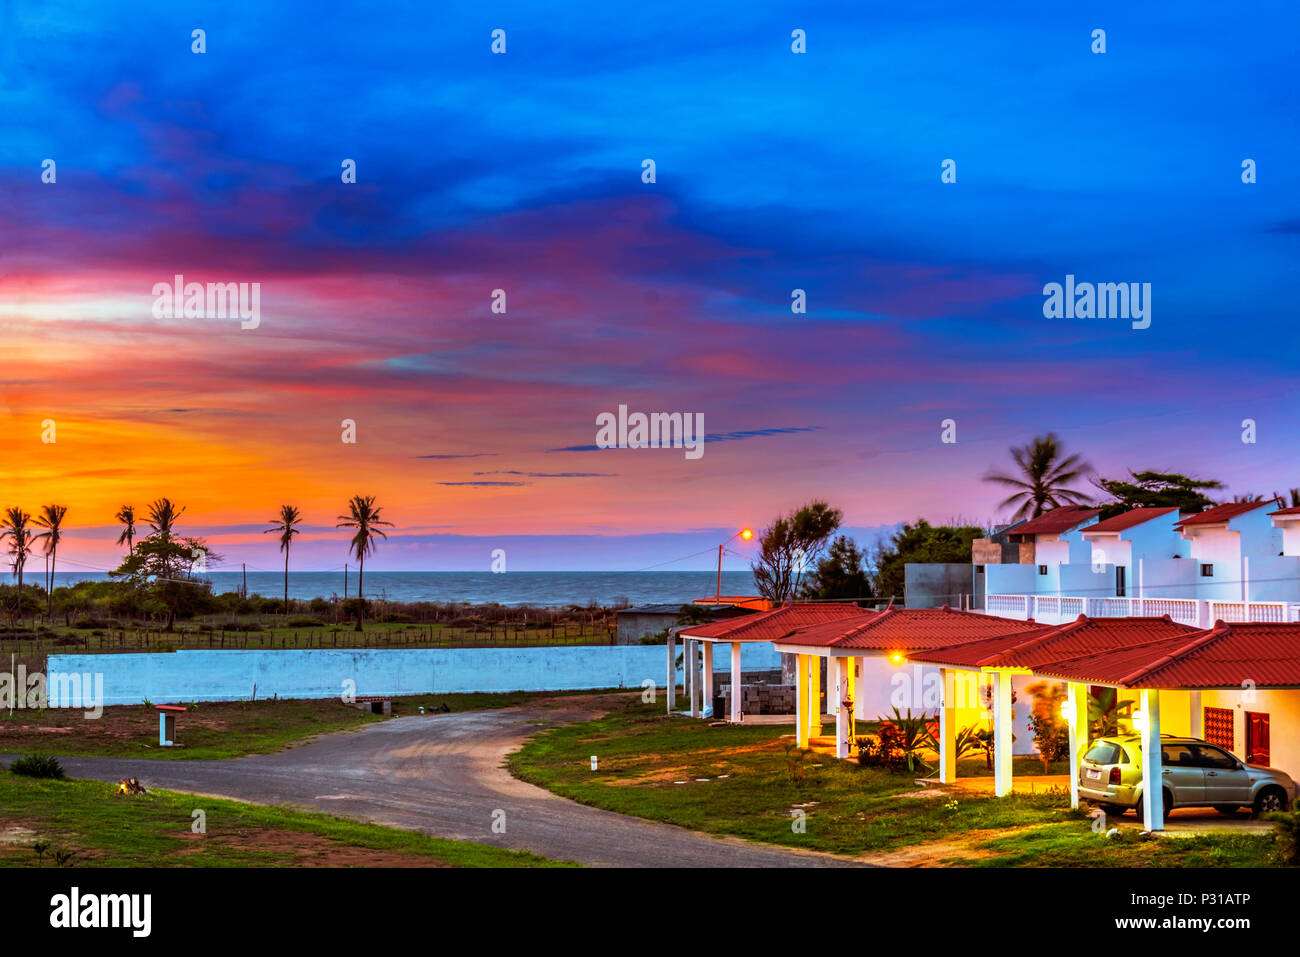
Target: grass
x,y
155,830
650,766
215,730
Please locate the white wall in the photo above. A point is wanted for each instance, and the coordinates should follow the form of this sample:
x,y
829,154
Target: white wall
x,y
215,675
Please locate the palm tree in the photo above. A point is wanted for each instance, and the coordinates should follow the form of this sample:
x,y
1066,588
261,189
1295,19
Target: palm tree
x,y
287,527
1043,473
51,519
163,514
364,517
126,515
20,542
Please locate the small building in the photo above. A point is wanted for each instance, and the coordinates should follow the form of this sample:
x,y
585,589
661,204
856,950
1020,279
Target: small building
x,y
647,621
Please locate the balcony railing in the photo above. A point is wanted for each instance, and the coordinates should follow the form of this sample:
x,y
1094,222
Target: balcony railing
x,y
1059,609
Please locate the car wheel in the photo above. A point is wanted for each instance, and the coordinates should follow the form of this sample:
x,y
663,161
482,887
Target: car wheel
x,y
1140,810
1270,799
1227,809
1114,810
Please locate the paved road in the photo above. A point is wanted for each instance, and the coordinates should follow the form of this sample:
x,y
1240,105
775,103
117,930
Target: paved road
x,y
441,774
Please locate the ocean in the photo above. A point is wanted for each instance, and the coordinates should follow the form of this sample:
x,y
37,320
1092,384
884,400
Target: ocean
x,y
544,589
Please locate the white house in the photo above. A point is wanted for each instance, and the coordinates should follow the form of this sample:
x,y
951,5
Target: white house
x,y
1050,542
1140,553
1287,521
1235,547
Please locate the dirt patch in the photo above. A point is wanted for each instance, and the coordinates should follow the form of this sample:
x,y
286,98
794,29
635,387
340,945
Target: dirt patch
x,y
301,849
941,853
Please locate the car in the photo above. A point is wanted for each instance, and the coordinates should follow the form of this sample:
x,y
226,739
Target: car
x,y
1195,773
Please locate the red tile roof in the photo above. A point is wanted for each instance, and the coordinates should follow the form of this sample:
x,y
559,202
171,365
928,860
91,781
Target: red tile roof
x,y
908,629
1056,521
777,623
1082,636
1293,510
1127,520
1222,513
1242,655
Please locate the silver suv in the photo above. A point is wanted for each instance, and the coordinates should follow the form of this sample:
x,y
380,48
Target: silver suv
x,y
1195,774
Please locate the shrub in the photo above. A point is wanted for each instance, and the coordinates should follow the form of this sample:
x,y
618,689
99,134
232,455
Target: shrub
x,y
38,766
304,621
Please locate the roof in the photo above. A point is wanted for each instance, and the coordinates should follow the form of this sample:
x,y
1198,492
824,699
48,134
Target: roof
x,y
909,629
1239,655
1056,521
1293,510
1127,520
1083,636
1222,513
777,623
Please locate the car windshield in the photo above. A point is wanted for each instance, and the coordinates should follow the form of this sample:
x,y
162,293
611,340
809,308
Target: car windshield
x,y
1106,752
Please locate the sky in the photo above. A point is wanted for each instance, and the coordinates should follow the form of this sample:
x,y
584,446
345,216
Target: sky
x,y
523,171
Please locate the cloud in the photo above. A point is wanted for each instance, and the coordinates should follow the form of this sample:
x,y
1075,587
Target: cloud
x,y
552,474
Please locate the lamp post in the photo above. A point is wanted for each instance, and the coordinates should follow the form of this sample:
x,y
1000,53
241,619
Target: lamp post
x,y
746,534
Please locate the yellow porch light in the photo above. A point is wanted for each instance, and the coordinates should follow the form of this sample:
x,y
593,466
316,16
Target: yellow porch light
x,y
1139,720
897,657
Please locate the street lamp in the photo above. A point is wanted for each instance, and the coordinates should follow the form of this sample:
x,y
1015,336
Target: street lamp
x,y
746,534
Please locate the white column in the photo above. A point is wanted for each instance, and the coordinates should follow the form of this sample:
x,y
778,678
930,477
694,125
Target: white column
x,y
672,672
735,682
1002,721
1153,796
801,700
1076,716
834,692
708,678
692,669
1196,715
842,743
947,726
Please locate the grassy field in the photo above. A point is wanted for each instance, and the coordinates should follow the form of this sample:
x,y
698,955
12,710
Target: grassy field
x,y
744,782
213,730
269,631
103,829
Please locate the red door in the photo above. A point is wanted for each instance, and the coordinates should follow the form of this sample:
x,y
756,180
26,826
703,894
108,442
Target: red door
x,y
1257,738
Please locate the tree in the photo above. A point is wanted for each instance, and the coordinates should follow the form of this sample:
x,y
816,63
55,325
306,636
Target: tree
x,y
1051,734
162,568
287,527
51,519
163,514
920,542
841,574
126,515
19,534
1043,472
789,545
1150,489
364,517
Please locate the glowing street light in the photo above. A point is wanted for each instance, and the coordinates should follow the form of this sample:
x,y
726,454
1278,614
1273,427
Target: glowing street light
x,y
746,534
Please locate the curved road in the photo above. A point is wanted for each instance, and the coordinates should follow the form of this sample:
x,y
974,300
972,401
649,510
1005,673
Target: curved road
x,y
442,774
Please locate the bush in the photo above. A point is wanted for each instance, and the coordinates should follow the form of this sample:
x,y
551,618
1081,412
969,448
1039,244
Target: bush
x,y
38,766
304,621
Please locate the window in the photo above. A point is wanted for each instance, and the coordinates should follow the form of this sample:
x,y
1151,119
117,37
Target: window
x,y
1120,581
1178,755
1106,752
1208,757
1207,571
1219,727
1042,569
979,569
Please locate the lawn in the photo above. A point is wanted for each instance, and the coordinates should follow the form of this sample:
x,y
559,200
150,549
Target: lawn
x,y
747,782
103,829
218,729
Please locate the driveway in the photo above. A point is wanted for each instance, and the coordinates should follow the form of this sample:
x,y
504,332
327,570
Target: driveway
x,y
441,774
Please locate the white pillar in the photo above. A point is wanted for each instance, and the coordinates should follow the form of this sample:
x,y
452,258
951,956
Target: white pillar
x,y
1076,716
692,669
947,726
708,678
859,699
735,682
1153,795
1196,715
801,700
672,672
834,693
1002,721
843,745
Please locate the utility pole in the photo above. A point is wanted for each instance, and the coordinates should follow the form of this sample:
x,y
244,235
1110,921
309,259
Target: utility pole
x,y
244,586
345,582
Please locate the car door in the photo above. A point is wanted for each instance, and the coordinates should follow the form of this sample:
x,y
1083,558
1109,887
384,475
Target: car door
x,y
1182,773
1226,780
